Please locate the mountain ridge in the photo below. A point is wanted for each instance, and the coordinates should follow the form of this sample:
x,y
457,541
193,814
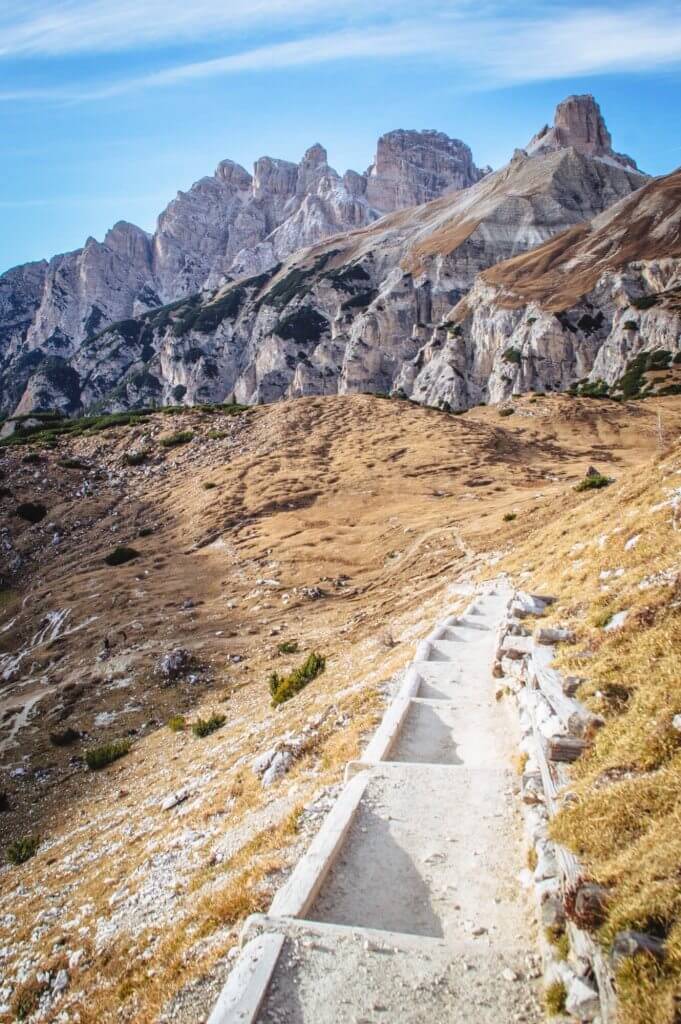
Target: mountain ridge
x,y
357,322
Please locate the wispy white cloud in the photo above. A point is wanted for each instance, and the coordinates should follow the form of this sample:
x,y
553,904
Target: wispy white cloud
x,y
59,27
486,52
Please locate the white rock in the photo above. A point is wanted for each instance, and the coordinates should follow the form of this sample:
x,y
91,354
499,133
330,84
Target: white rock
x,y
61,981
175,798
582,1000
617,621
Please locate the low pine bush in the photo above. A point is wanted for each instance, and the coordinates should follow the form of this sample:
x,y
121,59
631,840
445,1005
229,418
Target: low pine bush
x,y
176,723
31,511
288,647
22,849
100,757
205,726
176,439
282,688
594,482
509,517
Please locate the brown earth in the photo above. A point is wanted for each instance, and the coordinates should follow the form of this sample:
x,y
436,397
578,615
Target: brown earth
x,y
344,524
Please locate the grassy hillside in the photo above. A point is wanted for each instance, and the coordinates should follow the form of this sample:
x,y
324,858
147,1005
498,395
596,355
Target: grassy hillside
x,y
614,555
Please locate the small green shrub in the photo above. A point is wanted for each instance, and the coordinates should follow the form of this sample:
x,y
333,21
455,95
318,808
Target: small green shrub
x,y
559,939
554,998
205,726
121,555
176,439
288,647
594,482
509,517
136,458
513,355
282,688
21,850
31,511
594,389
100,757
217,435
507,411
145,531
72,464
176,723
630,325
644,301
209,485
31,458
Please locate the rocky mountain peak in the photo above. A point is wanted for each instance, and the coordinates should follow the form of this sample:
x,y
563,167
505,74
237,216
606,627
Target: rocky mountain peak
x,y
234,174
313,168
413,167
274,177
578,123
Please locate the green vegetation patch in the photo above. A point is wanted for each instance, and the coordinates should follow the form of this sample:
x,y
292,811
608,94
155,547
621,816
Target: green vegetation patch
x,y
205,726
283,688
107,753
176,439
177,723
512,355
288,647
296,281
305,325
555,997
21,850
593,482
644,301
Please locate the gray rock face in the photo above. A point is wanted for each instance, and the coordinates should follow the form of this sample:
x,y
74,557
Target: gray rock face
x,y
369,310
229,225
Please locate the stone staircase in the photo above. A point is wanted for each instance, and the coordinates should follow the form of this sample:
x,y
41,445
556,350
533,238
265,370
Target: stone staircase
x,y
407,906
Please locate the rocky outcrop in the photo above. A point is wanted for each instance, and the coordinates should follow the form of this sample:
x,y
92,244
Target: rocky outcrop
x,y
579,123
596,310
367,310
415,167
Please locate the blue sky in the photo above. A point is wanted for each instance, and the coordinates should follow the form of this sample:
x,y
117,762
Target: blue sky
x,y
108,107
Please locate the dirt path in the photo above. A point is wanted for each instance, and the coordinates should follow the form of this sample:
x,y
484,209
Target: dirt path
x,y
421,918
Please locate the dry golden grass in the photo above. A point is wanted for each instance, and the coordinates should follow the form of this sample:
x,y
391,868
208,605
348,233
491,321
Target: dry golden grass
x,y
401,500
612,551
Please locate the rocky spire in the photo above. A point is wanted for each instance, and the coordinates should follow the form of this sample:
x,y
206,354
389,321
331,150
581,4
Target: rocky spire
x,y
579,124
413,167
